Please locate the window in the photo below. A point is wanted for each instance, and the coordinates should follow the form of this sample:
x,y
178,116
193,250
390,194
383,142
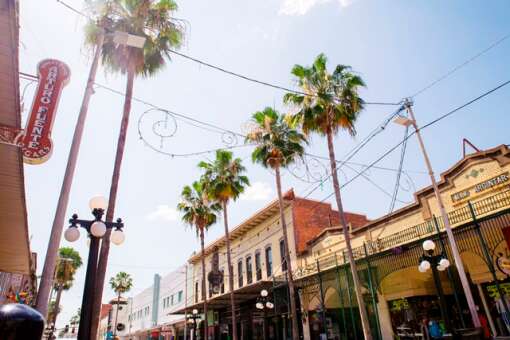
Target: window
x,y
240,273
282,255
179,296
222,285
172,300
258,267
249,270
196,292
269,262
164,303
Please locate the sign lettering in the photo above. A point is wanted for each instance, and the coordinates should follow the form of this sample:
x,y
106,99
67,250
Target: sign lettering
x,y
480,187
36,141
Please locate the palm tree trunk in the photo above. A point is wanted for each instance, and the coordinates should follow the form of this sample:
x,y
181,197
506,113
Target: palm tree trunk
x,y
355,278
105,242
204,292
295,326
230,272
57,304
116,315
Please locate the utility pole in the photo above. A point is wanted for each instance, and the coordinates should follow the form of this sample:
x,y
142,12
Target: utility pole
x,y
186,302
60,213
453,244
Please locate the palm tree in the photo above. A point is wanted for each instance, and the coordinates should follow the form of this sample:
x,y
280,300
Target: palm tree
x,y
69,261
331,103
199,213
224,181
120,283
278,144
148,19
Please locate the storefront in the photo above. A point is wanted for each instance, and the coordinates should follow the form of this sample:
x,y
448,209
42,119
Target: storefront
x,y
400,299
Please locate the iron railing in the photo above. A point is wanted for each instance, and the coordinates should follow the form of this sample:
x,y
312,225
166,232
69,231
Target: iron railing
x,y
456,217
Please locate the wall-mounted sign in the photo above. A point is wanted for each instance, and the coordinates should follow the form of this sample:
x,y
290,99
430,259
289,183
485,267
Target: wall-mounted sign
x,y
480,187
35,139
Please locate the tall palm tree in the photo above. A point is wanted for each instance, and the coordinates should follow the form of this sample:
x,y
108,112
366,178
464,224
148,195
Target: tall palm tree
x,y
331,104
199,213
68,263
224,181
149,19
278,144
120,284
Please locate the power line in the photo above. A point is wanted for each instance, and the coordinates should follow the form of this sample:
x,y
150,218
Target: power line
x,y
253,80
226,71
412,133
458,67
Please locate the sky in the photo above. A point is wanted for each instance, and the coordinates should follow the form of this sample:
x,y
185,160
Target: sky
x,y
397,46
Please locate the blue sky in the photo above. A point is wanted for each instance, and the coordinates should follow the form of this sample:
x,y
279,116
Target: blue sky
x,y
397,46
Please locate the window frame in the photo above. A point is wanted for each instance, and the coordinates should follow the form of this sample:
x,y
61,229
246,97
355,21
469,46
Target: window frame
x,y
268,250
240,279
249,269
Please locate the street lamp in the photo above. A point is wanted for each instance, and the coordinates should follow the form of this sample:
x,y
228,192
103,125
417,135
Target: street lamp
x,y
96,229
408,105
437,263
264,304
193,320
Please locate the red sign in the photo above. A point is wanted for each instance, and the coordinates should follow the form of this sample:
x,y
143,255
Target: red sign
x,y
36,139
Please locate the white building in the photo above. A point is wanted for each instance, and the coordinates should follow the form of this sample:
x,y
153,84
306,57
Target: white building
x,y
146,315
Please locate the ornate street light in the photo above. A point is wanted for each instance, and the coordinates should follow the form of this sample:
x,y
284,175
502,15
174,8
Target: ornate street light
x,y
263,304
193,320
96,229
437,263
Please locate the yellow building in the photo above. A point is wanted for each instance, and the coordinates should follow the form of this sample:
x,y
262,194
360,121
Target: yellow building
x,y
388,250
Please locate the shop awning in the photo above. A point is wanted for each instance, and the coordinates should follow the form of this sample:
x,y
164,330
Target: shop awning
x,y
14,245
243,294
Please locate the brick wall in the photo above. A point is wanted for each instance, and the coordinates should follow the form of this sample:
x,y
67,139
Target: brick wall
x,y
312,217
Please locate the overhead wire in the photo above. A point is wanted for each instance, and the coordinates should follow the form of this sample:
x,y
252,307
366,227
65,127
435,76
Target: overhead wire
x,y
458,67
229,72
443,116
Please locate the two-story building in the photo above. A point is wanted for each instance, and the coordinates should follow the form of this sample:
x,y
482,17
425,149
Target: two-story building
x,y
257,257
399,298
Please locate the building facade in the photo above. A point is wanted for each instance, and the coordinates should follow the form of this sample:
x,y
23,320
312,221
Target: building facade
x,y
148,315
400,300
258,260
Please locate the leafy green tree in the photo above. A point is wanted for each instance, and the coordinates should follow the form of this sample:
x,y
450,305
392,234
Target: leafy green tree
x,y
330,104
224,181
68,263
120,283
153,21
277,145
200,213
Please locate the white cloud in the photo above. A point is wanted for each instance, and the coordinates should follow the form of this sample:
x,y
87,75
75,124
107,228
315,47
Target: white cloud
x,y
163,212
258,191
301,7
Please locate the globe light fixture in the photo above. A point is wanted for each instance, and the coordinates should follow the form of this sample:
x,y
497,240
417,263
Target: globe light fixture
x,y
269,305
429,245
425,265
98,202
263,293
259,305
444,263
72,234
195,311
98,229
421,269
117,237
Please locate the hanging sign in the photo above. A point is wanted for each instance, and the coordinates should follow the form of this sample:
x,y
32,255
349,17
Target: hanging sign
x,y
36,142
35,139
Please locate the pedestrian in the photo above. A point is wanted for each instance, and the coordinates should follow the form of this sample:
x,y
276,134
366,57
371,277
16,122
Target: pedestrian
x,y
484,323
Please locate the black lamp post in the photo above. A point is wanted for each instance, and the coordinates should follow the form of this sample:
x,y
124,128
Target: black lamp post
x,y
96,229
193,319
264,304
437,263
